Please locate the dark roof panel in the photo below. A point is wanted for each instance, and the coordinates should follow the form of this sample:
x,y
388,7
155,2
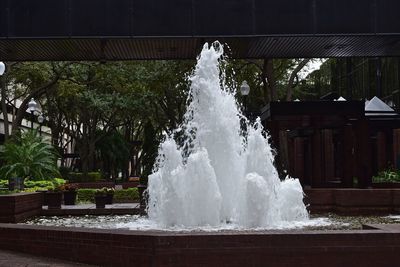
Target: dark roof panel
x,y
177,29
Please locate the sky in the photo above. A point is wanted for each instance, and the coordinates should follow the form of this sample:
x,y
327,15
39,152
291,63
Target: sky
x,y
314,64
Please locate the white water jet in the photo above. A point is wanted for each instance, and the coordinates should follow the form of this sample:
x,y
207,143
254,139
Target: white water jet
x,y
220,173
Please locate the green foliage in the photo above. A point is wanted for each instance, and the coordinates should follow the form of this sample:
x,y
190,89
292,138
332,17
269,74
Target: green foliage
x,y
78,177
150,151
64,172
104,191
33,186
105,105
45,184
126,195
388,176
29,156
114,152
86,195
3,183
7,192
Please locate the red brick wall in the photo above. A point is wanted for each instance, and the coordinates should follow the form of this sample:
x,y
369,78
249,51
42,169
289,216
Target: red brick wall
x,y
275,248
20,206
353,201
94,185
127,185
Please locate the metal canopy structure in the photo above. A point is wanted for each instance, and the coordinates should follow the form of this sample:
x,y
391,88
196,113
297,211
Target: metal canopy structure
x,y
176,29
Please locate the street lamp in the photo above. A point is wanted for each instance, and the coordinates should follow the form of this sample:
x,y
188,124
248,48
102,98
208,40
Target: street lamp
x,y
40,120
32,107
244,91
2,68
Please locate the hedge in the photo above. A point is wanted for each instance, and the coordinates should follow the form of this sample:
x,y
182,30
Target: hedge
x,y
32,186
129,194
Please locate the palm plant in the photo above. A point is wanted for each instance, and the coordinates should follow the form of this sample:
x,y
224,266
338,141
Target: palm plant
x,y
28,157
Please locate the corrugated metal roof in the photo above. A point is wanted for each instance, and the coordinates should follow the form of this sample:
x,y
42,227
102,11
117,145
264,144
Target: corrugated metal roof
x,y
188,48
177,29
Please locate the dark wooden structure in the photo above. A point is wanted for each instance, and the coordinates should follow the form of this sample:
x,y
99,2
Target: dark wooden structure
x,y
176,29
332,143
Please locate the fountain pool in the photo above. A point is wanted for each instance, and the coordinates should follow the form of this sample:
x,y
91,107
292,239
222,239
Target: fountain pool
x,y
326,221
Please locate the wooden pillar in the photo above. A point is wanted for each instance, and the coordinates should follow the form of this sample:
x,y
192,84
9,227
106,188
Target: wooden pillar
x,y
316,179
348,156
328,155
283,150
396,148
381,151
363,154
299,158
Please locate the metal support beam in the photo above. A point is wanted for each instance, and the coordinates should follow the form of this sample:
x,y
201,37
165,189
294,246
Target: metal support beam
x,y
349,71
378,64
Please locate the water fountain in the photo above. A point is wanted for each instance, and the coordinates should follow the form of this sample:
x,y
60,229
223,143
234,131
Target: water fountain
x,y
220,173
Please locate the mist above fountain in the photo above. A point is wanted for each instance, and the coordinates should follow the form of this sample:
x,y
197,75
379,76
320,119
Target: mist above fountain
x,y
219,173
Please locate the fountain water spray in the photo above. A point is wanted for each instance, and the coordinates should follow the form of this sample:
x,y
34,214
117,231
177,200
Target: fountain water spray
x,y
219,173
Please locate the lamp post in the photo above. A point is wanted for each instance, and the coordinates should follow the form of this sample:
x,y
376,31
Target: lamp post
x,y
32,106
244,91
2,68
40,120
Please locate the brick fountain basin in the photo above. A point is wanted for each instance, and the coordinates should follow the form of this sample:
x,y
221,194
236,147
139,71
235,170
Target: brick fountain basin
x,y
375,245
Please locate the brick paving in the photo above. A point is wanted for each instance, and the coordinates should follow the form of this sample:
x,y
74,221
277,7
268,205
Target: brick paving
x,y
17,259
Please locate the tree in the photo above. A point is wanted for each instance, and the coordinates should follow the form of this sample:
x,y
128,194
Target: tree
x,y
113,152
150,151
270,79
25,81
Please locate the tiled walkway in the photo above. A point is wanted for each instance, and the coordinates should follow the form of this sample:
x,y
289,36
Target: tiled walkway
x,y
17,259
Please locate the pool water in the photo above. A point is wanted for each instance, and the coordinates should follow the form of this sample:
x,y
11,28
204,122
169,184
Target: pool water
x,y
328,221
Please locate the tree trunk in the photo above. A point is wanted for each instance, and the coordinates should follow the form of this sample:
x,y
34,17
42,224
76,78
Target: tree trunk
x,y
3,85
24,105
268,68
91,155
293,75
83,154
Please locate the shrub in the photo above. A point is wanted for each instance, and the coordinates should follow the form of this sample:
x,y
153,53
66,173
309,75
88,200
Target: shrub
x,y
129,194
59,181
387,176
3,183
86,195
101,192
32,186
6,192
